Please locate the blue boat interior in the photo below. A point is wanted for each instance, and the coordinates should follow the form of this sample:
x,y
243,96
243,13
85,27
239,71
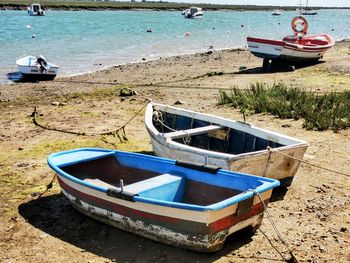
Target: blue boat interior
x,y
225,140
152,179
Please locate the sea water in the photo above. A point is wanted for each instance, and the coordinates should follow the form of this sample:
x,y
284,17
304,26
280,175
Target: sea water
x,y
83,41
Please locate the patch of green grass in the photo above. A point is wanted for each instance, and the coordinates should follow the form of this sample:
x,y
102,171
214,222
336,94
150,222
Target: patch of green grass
x,y
44,148
319,111
91,114
97,94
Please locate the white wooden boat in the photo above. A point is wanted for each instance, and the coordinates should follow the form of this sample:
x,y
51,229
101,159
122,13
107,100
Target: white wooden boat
x,y
191,206
193,12
35,10
206,139
296,48
36,68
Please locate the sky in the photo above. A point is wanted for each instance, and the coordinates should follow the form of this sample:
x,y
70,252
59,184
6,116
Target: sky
x,y
329,3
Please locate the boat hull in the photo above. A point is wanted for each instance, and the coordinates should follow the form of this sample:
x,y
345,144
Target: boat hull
x,y
32,13
33,72
285,50
30,69
261,162
192,227
188,234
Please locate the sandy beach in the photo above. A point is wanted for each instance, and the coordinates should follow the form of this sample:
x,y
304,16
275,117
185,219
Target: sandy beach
x,y
313,216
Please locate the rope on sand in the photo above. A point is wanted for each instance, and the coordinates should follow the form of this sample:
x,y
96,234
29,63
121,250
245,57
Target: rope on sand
x,y
122,137
48,187
159,85
292,258
120,132
168,84
302,161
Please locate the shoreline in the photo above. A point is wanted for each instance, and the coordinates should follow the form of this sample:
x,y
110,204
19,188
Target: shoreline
x,y
141,61
231,49
111,67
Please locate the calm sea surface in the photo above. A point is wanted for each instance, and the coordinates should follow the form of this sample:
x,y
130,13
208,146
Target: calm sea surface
x,y
82,41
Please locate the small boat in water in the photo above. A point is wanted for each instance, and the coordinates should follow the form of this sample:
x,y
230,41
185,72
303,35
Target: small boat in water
x,y
203,138
193,12
35,10
299,47
276,12
38,68
306,11
179,203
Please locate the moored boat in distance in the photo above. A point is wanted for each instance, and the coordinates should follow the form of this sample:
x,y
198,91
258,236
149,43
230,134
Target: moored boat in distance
x,y
305,11
193,12
276,12
179,203
299,47
37,68
207,139
35,10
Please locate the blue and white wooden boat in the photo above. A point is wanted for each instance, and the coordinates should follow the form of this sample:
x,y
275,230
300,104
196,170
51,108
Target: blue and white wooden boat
x,y
233,145
178,203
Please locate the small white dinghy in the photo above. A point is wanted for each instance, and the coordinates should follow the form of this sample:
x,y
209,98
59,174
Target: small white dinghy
x,y
36,68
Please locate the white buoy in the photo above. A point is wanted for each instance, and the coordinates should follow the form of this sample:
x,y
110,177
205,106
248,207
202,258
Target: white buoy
x,y
29,26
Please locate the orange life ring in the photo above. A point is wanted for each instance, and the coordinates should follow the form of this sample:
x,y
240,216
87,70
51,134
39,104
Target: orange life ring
x,y
300,20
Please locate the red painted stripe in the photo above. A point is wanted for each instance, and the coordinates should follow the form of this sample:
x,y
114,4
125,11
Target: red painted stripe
x,y
314,49
303,50
265,41
231,220
113,207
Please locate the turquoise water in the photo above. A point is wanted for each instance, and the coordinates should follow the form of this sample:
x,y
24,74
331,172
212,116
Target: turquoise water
x,y
81,41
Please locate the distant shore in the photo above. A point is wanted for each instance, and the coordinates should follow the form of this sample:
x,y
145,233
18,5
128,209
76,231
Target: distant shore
x,y
156,6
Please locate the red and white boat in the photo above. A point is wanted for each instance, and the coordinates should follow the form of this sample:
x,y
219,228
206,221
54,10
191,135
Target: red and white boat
x,y
296,48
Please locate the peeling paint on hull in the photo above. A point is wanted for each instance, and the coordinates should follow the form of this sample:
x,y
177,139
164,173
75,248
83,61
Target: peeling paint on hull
x,y
184,234
256,161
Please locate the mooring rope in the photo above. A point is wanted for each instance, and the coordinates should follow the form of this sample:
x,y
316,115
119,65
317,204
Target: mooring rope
x,y
302,161
292,259
122,137
158,117
167,84
48,187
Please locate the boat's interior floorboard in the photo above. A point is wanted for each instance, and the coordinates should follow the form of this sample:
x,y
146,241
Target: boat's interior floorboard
x,y
108,170
204,194
203,135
